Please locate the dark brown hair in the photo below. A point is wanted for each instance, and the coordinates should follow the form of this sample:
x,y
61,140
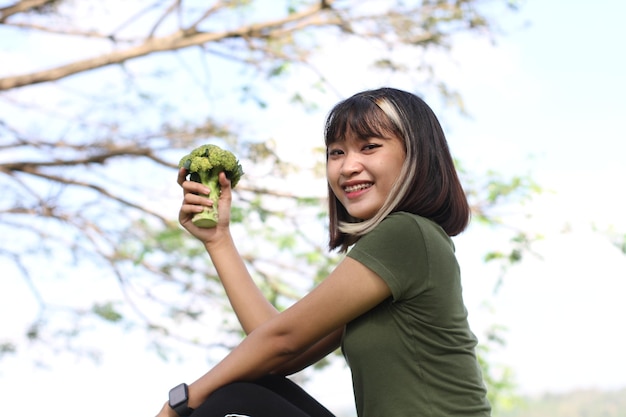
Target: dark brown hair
x,y
428,184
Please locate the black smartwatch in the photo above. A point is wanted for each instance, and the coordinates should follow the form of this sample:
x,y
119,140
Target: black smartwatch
x,y
179,397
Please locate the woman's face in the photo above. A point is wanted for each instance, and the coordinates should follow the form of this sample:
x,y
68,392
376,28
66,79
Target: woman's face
x,y
361,172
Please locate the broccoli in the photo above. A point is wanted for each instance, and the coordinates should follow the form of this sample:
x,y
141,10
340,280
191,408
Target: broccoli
x,y
203,165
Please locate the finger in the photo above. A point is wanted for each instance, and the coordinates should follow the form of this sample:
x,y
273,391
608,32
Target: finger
x,y
182,176
224,185
224,181
197,199
190,186
195,188
190,209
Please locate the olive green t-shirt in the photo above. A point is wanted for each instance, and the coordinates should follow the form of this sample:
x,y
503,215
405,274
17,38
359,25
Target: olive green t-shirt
x,y
414,355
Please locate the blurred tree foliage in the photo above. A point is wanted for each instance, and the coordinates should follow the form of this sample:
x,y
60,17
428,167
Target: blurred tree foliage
x,y
98,101
580,403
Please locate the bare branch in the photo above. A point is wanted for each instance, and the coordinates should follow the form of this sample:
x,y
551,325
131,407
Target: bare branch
x,y
167,11
101,190
207,13
21,7
64,31
29,166
178,40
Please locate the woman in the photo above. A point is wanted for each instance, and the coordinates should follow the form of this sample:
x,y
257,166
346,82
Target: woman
x,y
394,303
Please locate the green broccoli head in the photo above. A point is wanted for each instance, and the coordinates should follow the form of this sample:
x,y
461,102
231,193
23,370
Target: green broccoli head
x,y
204,165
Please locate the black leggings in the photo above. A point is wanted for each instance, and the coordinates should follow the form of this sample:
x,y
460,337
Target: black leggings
x,y
270,396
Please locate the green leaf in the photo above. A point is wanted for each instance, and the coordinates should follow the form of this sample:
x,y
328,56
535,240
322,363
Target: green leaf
x,y
107,312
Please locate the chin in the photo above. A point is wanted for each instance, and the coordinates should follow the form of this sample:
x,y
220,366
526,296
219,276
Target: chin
x,y
360,216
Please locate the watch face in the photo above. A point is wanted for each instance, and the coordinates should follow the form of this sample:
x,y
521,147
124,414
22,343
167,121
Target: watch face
x,y
178,395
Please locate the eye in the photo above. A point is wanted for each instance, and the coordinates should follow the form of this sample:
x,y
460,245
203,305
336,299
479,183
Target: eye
x,y
334,152
371,146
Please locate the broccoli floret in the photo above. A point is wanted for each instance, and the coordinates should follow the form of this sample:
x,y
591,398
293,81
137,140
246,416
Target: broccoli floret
x,y
204,165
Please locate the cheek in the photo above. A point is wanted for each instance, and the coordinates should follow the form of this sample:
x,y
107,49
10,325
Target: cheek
x,y
335,189
332,172
331,179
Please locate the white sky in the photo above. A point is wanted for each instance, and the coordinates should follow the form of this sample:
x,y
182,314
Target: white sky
x,y
549,101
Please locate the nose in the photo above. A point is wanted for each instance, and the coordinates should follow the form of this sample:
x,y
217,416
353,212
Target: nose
x,y
351,164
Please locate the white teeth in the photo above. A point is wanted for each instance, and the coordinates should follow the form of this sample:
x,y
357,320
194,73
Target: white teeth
x,y
353,188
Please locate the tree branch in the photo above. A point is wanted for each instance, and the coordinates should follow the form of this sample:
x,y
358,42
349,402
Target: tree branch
x,y
177,40
21,7
101,190
64,31
170,9
28,166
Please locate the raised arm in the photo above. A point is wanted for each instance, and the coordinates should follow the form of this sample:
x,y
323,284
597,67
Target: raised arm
x,y
248,302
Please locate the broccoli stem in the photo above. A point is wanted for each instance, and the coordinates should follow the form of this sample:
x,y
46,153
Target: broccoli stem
x,y
207,218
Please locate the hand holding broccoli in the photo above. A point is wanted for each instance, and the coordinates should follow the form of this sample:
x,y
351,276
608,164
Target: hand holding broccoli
x,y
204,165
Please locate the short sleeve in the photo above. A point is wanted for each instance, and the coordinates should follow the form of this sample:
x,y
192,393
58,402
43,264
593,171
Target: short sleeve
x,y
397,251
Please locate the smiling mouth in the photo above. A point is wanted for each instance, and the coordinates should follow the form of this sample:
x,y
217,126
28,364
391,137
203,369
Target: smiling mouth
x,y
357,187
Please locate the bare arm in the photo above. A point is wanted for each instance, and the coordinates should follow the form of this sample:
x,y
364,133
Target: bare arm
x,y
248,302
313,354
351,290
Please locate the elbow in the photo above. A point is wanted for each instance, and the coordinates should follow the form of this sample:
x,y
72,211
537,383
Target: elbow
x,y
287,346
